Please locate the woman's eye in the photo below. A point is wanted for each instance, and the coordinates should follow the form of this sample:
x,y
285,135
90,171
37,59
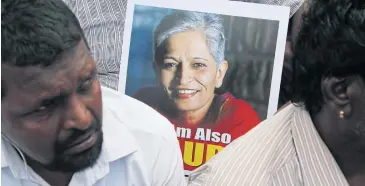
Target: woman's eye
x,y
170,65
199,65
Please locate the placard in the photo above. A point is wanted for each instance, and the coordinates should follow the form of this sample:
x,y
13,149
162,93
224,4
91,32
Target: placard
x,y
213,68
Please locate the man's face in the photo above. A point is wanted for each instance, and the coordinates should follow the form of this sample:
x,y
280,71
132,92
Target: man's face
x,y
188,72
54,114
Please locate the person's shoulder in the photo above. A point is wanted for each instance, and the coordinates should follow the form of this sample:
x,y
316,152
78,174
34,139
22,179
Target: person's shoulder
x,y
131,124
239,112
269,133
235,104
150,95
261,151
144,118
137,116
7,177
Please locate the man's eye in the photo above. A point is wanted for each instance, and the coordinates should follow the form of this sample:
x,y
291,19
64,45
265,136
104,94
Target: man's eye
x,y
49,104
85,86
43,110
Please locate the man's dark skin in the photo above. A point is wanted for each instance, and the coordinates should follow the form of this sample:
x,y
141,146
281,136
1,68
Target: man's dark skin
x,y
71,96
345,137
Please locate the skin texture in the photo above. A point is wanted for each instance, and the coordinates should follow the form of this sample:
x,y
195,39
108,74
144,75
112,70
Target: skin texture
x,y
46,109
345,137
188,64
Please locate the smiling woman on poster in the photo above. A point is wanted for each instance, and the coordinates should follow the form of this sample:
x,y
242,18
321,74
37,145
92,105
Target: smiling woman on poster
x,y
189,64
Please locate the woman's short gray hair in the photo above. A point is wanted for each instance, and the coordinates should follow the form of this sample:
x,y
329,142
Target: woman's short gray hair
x,y
211,25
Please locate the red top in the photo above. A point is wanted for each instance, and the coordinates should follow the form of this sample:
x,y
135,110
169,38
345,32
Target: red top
x,y
227,119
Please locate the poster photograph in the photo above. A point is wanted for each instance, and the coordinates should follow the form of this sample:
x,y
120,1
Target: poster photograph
x,y
212,68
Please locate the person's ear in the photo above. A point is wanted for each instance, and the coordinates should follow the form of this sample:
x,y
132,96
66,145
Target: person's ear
x,y
221,72
336,94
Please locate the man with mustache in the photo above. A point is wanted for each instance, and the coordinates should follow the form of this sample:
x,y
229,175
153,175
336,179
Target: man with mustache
x,y
59,127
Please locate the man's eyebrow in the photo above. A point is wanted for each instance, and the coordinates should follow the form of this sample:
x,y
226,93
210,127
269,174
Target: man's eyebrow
x,y
53,99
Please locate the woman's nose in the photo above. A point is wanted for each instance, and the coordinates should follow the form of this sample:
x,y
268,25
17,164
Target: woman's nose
x,y
185,74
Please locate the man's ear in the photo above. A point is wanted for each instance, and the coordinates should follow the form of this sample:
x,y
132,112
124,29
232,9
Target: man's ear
x,y
221,72
335,93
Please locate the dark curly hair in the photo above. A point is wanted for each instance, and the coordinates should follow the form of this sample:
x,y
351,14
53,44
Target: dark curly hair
x,y
331,42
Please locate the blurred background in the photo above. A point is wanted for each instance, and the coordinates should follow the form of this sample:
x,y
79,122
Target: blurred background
x,y
250,51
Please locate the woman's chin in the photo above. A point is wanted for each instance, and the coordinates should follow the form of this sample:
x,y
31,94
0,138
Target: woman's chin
x,y
185,106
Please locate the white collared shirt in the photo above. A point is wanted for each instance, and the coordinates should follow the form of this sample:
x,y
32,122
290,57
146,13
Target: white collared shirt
x,y
140,149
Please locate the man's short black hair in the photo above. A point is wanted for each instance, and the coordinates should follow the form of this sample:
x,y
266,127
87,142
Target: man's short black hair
x,y
37,32
331,42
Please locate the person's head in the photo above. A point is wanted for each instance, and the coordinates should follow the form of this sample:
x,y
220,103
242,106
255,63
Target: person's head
x,y
50,96
189,58
329,67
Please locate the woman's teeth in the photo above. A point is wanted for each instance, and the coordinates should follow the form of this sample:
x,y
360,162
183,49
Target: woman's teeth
x,y
187,91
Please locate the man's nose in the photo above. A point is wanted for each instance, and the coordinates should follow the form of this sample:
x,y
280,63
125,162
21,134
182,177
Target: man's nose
x,y
77,115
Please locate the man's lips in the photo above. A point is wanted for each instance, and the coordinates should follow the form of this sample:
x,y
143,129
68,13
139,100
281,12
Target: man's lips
x,y
82,143
80,139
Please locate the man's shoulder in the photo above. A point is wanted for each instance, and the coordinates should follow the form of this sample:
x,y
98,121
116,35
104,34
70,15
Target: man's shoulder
x,y
263,150
269,138
137,116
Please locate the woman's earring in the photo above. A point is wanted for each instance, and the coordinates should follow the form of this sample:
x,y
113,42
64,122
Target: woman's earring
x,y
342,114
